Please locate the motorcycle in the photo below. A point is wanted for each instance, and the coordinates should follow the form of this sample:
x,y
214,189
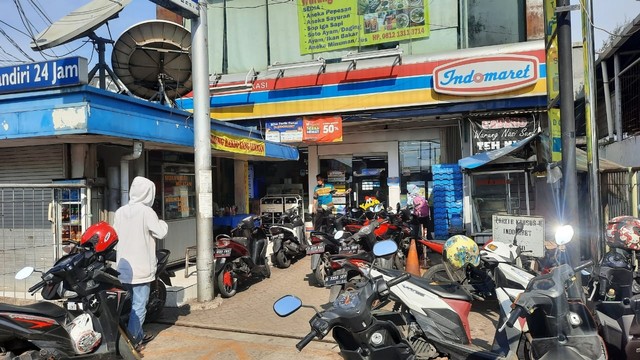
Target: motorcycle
x,y
91,323
289,241
241,255
158,292
500,266
322,247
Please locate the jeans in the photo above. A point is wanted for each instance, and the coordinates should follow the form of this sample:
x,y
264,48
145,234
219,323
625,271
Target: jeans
x,y
140,297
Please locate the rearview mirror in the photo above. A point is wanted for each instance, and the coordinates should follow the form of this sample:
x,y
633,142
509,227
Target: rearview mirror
x,y
287,305
384,248
24,273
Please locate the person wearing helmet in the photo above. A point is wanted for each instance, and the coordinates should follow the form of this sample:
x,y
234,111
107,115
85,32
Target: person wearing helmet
x,y
138,227
460,251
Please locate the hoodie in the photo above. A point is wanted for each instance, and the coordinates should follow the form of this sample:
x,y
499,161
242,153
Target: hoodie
x,y
138,227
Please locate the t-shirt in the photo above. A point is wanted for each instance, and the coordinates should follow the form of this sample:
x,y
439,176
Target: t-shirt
x,y
324,194
420,206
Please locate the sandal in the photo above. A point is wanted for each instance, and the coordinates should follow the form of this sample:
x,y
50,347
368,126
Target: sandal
x,y
140,347
147,338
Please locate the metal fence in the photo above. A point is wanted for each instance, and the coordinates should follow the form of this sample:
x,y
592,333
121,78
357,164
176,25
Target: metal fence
x,y
28,232
620,193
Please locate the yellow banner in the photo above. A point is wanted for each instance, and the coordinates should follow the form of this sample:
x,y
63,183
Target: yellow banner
x,y
236,144
553,81
326,25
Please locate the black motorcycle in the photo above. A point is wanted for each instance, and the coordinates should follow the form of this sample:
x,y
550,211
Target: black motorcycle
x,y
91,323
322,247
158,293
289,241
241,255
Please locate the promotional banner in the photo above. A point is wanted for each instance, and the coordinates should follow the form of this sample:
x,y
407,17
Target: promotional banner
x,y
326,25
496,133
322,128
286,132
553,82
236,144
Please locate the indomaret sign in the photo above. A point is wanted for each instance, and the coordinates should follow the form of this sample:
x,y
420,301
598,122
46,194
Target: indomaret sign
x,y
486,75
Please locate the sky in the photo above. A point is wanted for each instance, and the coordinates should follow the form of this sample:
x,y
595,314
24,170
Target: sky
x,y
607,14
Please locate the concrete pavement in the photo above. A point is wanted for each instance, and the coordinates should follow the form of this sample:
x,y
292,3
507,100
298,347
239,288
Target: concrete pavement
x,y
247,322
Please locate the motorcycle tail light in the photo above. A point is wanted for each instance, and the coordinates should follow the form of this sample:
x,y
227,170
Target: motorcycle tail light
x,y
488,245
336,265
315,239
223,243
358,262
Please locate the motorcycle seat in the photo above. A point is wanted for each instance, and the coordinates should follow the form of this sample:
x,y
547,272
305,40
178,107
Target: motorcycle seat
x,y
241,240
46,309
363,255
447,291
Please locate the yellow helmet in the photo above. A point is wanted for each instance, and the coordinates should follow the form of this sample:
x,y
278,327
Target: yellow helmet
x,y
460,250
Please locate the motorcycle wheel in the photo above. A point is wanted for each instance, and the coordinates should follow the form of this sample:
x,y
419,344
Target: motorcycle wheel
x,y
319,274
227,281
438,274
399,261
282,260
125,348
157,299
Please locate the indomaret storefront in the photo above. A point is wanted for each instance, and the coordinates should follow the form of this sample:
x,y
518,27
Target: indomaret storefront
x,y
380,122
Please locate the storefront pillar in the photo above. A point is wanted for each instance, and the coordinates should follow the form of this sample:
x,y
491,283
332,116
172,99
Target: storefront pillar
x,y
241,185
79,154
314,169
394,173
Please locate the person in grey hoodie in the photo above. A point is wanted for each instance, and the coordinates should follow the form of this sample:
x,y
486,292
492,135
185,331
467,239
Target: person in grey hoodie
x,y
138,227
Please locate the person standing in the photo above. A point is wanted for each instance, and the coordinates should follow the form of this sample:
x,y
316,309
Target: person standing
x,y
138,227
421,212
323,197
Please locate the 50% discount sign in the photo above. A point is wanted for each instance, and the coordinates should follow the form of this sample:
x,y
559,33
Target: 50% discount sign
x,y
322,129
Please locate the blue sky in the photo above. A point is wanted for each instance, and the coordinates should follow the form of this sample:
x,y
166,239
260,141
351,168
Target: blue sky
x,y
607,14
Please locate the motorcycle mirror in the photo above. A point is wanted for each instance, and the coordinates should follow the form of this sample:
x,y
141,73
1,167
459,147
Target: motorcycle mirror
x,y
287,305
377,208
338,235
384,248
24,273
564,234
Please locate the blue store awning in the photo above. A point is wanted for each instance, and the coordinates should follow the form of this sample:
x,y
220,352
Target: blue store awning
x,y
481,159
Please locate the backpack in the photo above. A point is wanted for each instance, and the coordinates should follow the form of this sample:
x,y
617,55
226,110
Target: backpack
x,y
420,206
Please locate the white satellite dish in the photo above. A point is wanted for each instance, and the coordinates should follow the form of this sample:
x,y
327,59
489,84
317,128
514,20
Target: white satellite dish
x,y
152,60
82,22
79,23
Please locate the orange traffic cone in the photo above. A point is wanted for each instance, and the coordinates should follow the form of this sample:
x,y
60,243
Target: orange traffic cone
x,y
413,265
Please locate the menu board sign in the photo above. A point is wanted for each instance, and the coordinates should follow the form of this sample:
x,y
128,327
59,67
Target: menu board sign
x,y
326,25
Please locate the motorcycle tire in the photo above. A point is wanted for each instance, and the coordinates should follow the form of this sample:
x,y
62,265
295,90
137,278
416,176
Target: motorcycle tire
x,y
157,299
437,274
399,261
125,348
319,274
282,260
227,281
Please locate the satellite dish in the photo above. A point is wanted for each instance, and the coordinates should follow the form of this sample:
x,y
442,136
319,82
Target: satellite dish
x,y
82,22
79,23
152,60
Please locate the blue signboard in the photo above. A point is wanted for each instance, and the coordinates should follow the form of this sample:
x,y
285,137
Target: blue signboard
x,y
185,8
42,75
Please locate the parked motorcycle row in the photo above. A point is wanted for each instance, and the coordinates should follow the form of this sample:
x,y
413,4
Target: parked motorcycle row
x,y
557,311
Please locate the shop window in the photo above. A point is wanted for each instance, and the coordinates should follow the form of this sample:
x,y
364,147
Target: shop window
x,y
499,192
179,191
337,172
416,160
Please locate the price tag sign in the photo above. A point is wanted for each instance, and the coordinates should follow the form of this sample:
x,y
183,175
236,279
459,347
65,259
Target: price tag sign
x,y
322,129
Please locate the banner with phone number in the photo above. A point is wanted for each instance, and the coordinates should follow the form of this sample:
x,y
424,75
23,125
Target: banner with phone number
x,y
322,129
326,25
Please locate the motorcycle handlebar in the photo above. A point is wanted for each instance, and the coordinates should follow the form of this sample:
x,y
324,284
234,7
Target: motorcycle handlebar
x,y
513,316
583,266
37,286
306,340
398,280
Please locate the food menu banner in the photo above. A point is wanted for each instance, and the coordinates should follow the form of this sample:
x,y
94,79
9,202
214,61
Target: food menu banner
x,y
496,133
336,24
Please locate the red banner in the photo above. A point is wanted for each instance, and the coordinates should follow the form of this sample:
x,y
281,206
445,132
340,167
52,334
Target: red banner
x,y
322,129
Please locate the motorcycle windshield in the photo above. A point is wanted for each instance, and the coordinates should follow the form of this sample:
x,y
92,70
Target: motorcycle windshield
x,y
576,346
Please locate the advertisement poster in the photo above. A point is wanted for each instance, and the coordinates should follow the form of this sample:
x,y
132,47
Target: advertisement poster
x,y
285,132
330,25
322,128
496,133
236,144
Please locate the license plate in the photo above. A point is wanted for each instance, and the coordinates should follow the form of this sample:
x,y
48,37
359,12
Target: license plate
x,y
73,306
337,279
349,249
315,249
222,252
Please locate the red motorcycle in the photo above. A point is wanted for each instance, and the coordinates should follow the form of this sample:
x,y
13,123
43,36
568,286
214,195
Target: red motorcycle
x,y
241,255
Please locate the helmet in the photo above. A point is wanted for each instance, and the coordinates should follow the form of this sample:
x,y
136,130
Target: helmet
x,y
624,232
460,250
616,260
101,237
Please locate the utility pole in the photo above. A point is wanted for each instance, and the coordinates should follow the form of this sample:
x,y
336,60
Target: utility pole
x,y
568,125
596,242
202,153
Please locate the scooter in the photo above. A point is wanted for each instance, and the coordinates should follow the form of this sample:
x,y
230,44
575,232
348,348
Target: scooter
x,y
289,241
91,323
322,247
158,293
500,266
241,255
